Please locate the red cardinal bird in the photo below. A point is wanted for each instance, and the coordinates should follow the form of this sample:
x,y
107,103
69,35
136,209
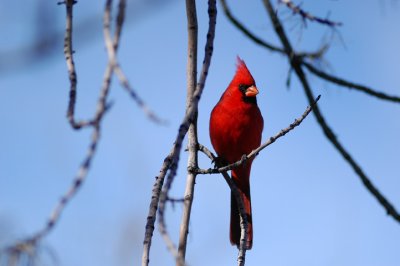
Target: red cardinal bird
x,y
236,126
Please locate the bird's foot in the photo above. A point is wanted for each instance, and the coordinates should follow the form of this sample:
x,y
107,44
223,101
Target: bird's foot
x,y
219,162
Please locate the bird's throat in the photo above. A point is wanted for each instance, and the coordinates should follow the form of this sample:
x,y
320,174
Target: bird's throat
x,y
252,100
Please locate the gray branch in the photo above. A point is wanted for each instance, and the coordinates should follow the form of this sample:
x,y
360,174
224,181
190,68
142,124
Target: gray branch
x,y
351,85
296,63
169,168
192,135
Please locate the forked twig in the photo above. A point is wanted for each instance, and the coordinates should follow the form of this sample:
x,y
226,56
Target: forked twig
x,y
296,64
296,9
29,245
273,48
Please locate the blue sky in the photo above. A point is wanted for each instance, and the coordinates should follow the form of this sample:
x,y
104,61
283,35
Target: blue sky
x,y
309,207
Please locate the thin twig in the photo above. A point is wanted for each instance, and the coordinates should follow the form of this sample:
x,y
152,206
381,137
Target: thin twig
x,y
29,244
296,65
350,85
68,52
296,9
155,197
175,200
271,140
240,26
135,96
246,31
66,198
112,46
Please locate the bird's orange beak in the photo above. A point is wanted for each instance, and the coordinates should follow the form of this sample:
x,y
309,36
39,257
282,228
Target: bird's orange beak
x,y
251,91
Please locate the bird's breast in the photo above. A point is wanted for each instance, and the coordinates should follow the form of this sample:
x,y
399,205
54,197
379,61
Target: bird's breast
x,y
235,131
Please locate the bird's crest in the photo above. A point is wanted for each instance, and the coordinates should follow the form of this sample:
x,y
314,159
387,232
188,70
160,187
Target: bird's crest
x,y
243,74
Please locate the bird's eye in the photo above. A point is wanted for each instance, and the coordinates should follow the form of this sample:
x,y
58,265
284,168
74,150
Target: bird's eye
x,y
243,88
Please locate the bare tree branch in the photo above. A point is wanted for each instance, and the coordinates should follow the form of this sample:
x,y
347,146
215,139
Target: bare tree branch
x,y
45,42
112,46
193,140
295,62
350,85
311,55
151,217
29,245
68,52
191,74
242,213
168,170
247,32
223,170
296,9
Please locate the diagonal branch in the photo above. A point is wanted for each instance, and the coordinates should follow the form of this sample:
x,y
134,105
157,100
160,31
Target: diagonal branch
x,y
311,55
30,243
350,85
296,9
223,170
247,32
155,197
295,62
112,46
271,140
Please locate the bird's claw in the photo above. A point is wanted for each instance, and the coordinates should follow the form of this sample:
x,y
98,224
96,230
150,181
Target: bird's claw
x,y
219,162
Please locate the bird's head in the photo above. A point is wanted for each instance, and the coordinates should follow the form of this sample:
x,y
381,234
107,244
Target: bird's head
x,y
243,83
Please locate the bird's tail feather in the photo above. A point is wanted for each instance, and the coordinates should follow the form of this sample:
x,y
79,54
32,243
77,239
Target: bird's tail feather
x,y
241,178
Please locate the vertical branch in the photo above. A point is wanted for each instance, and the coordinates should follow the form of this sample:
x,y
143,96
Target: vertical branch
x,y
243,219
242,213
68,52
168,172
191,79
193,141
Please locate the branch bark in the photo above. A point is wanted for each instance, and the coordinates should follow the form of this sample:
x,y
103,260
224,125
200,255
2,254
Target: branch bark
x,y
168,170
243,217
295,63
351,85
193,141
69,59
223,170
296,9
26,245
191,78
